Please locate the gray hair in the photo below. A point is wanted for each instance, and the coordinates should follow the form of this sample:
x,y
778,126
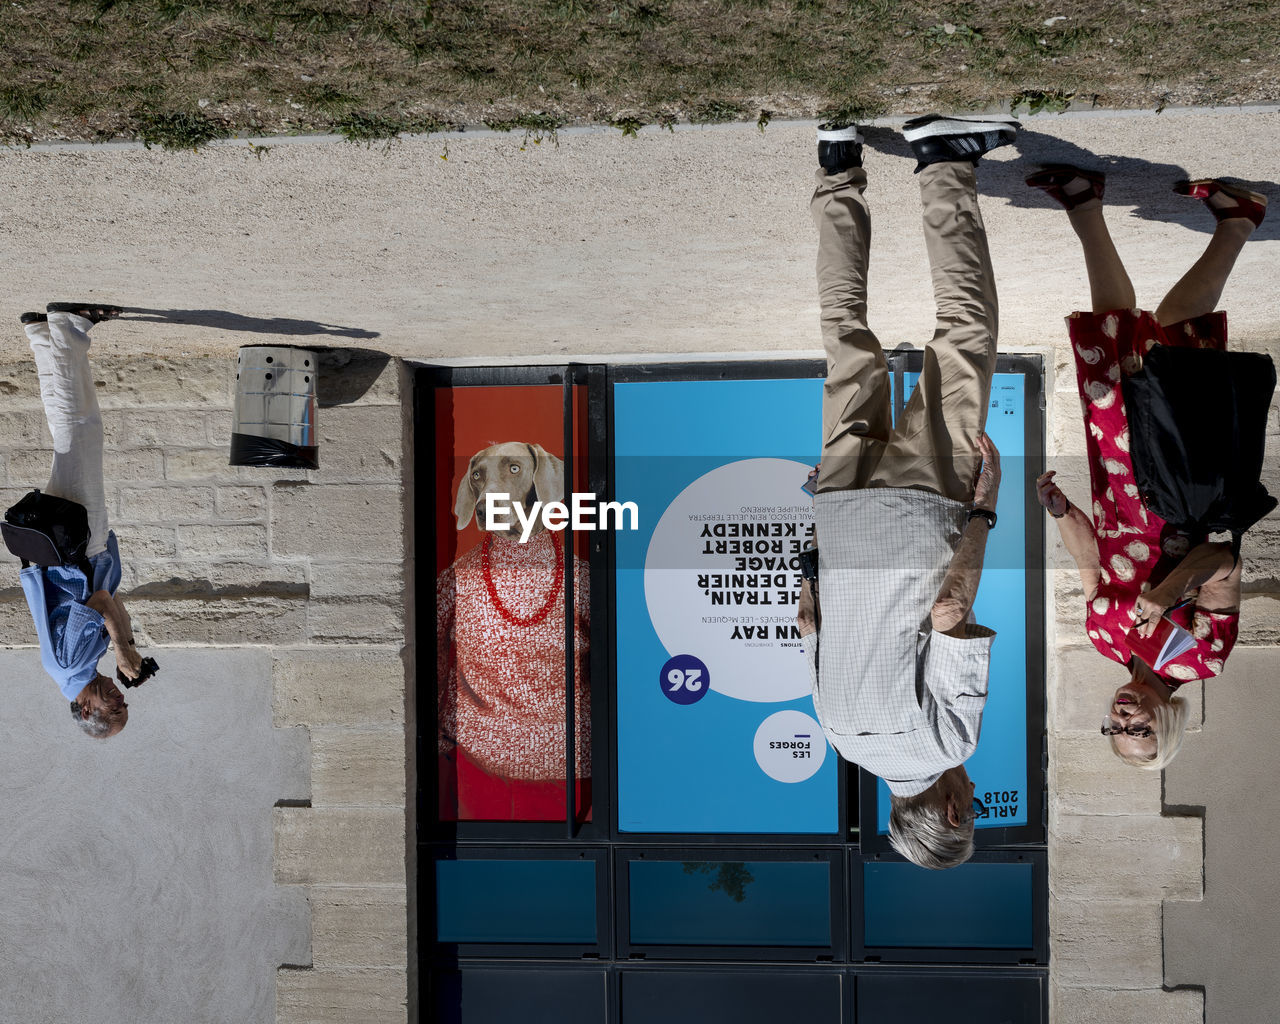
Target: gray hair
x,y
1169,723
95,723
920,831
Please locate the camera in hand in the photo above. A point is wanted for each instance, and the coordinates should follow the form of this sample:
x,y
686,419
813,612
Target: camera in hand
x,y
145,672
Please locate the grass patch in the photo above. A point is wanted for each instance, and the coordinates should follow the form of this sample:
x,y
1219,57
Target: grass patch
x,y
716,112
1035,101
176,131
536,127
81,68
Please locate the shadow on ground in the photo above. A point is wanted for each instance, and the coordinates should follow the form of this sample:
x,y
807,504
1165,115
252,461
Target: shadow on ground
x,y
226,321
1145,185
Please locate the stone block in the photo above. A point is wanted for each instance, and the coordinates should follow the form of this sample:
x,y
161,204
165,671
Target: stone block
x,y
350,377
342,687
362,579
361,442
1085,777
25,428
16,627
357,767
359,927
349,620
1260,620
149,428
166,504
342,846
1106,857
1071,1005
1110,944
146,541
134,383
19,385
239,541
217,578
241,503
338,522
30,466
1085,682
209,464
219,423
133,465
224,622
319,996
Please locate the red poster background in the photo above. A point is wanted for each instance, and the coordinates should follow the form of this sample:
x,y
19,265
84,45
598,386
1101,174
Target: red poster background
x,y
468,420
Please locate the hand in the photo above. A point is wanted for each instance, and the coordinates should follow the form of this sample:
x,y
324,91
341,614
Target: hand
x,y
1147,611
1050,495
808,617
811,481
128,660
984,493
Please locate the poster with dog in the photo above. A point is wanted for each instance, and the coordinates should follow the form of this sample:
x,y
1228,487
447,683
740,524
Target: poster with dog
x,y
500,611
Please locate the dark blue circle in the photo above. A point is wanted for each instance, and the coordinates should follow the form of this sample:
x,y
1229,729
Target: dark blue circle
x,y
692,684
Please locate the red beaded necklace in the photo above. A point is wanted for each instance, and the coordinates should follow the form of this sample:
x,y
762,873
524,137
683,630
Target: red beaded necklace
x,y
503,610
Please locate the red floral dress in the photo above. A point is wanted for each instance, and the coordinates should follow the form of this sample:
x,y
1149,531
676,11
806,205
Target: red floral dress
x,y
1136,548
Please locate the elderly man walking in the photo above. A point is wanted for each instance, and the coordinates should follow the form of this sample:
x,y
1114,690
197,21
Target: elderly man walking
x,y
903,511
76,608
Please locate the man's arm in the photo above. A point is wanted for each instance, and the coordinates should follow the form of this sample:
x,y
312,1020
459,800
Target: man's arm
x,y
119,628
960,585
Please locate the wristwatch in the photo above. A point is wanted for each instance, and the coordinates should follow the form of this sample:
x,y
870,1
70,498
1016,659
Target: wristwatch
x,y
984,513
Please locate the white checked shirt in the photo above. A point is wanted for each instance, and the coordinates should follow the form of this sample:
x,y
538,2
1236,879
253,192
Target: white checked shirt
x,y
893,695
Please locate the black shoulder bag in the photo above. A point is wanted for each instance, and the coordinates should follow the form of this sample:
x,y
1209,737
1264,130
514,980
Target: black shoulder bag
x,y
1197,433
44,530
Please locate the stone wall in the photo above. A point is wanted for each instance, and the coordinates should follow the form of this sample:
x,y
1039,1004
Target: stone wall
x,y
311,566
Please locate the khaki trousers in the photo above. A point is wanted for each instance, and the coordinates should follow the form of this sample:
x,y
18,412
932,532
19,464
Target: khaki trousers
x,y
934,445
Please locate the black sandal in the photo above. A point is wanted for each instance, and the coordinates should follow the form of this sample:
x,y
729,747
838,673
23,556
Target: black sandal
x,y
92,311
32,318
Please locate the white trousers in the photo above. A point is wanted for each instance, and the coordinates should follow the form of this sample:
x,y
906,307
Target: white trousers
x,y
61,349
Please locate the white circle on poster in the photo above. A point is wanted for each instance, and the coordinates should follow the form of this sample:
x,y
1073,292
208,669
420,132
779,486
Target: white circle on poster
x,y
722,573
789,746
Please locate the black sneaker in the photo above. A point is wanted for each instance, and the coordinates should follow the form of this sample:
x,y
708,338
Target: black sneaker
x,y
839,148
935,139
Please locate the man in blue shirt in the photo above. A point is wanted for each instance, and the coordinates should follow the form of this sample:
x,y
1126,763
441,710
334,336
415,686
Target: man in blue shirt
x,y
76,615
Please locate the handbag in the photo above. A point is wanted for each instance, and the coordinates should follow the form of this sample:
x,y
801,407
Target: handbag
x,y
1197,434
45,530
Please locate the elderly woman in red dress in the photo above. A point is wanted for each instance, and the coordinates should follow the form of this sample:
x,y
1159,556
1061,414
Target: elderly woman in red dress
x,y
1134,566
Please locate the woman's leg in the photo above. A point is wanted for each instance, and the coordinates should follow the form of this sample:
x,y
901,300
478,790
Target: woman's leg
x,y
1200,288
1109,284
61,350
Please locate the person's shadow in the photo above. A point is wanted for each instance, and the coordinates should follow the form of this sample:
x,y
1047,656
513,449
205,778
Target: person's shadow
x,y
223,320
1146,185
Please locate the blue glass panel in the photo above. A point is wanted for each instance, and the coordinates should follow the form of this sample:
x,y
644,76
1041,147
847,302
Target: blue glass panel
x,y
738,997
516,900
999,766
758,903
973,906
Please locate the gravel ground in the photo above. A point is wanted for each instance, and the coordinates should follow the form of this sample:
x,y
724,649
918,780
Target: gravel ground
x,y
696,240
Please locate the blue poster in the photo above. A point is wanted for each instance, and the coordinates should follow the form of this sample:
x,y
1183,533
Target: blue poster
x,y
715,721
998,767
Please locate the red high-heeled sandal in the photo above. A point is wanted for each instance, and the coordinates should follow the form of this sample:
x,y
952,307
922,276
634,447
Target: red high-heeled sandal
x,y
1252,205
1054,179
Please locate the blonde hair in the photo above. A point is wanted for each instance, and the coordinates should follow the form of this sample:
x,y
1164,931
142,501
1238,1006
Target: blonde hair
x,y
1169,723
